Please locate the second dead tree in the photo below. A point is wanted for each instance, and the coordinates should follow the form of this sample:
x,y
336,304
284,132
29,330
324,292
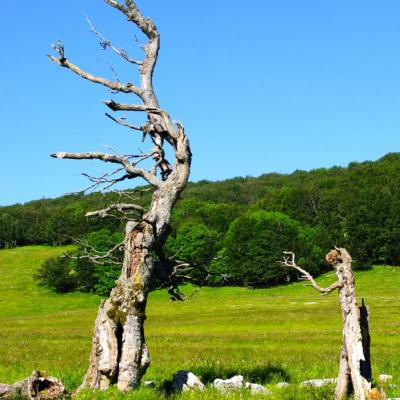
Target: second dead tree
x,y
355,364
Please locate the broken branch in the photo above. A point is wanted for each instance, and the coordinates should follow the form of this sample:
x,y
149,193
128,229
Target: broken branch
x,y
116,86
115,207
106,43
291,263
129,168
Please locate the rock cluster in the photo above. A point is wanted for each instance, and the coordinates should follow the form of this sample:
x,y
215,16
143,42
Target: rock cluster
x,y
282,385
186,380
237,382
318,382
385,378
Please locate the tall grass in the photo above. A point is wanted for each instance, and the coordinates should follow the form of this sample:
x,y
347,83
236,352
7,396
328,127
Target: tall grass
x,y
286,333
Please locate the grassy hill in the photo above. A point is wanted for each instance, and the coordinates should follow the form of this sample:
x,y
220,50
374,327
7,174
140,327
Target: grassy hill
x,y
269,335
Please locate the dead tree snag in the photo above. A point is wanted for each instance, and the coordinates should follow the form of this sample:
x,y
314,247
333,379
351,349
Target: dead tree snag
x,y
354,367
119,353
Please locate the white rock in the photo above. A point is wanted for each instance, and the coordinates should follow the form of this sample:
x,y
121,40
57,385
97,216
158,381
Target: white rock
x,y
255,388
150,384
318,382
236,382
185,380
385,377
282,385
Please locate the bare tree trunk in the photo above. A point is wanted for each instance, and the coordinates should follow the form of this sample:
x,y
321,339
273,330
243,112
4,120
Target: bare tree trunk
x,y
355,366
119,352
344,379
352,356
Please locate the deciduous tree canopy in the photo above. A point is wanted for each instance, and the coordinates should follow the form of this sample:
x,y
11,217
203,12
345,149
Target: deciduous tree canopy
x,y
357,206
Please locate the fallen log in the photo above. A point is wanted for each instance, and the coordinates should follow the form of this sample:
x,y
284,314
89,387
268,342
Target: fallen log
x,y
39,386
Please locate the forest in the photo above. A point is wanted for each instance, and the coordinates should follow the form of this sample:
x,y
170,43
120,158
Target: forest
x,y
236,226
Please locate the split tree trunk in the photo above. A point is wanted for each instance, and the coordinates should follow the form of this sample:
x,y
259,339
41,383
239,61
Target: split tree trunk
x,y
119,352
355,368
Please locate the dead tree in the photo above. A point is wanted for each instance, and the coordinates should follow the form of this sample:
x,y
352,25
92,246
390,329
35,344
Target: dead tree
x,y
119,353
354,368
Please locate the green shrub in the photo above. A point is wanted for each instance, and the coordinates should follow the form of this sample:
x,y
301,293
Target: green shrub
x,y
193,242
63,274
58,274
254,245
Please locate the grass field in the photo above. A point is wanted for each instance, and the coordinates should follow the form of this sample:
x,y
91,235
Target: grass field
x,y
285,333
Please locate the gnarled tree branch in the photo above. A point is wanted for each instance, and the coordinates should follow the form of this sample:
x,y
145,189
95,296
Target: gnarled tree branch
x,y
147,26
145,128
112,158
131,107
116,86
290,262
105,212
106,43
97,257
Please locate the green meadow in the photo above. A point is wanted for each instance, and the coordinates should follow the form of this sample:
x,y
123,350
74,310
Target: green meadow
x,y
287,333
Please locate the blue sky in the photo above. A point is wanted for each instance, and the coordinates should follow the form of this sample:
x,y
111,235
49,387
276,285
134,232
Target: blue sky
x,y
260,85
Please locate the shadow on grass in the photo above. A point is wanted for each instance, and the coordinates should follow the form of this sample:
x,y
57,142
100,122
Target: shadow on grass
x,y
207,374
261,374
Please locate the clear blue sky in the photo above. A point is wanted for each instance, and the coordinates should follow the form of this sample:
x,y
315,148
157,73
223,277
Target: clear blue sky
x,y
260,85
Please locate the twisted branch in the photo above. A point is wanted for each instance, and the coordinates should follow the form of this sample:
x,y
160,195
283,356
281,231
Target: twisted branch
x,y
159,126
97,257
146,128
115,86
289,261
105,212
106,43
129,168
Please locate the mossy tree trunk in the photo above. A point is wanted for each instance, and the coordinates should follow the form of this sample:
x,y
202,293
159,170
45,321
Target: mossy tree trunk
x,y
119,352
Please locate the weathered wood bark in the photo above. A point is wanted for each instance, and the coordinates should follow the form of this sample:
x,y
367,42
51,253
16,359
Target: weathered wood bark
x,y
352,358
38,386
119,352
355,365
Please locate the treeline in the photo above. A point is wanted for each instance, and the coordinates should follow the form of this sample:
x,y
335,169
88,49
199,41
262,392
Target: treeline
x,y
237,227
52,221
